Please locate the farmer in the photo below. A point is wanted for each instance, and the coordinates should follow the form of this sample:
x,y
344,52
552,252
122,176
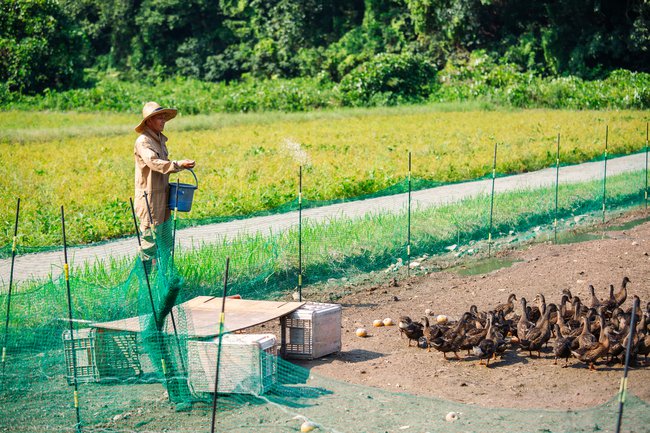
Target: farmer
x,y
152,169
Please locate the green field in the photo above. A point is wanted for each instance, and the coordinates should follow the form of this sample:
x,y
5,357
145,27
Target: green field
x,y
249,163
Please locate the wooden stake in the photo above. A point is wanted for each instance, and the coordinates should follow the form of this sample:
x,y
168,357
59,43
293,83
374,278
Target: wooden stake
x,y
646,168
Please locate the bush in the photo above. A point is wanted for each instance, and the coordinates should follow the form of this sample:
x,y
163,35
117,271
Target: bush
x,y
388,79
190,96
480,77
622,90
299,94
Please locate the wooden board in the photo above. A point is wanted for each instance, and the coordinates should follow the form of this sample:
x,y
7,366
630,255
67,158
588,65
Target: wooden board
x,y
200,316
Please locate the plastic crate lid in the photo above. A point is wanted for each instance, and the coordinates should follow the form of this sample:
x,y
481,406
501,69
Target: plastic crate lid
x,y
79,333
308,310
264,341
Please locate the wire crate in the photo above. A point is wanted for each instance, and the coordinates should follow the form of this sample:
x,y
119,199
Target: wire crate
x,y
117,355
101,355
312,331
83,341
248,364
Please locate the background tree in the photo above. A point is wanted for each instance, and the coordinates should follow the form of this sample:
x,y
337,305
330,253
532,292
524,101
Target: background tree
x,y
40,47
47,43
109,27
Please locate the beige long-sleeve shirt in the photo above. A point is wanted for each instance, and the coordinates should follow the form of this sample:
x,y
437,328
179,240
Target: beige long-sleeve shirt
x,y
152,170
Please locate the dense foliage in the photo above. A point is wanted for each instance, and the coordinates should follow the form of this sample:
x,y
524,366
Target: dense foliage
x,y
39,47
386,79
46,44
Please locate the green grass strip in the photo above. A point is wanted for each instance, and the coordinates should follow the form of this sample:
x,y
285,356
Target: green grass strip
x,y
265,266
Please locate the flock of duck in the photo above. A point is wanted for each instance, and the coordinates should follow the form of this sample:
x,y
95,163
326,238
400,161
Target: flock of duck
x,y
588,331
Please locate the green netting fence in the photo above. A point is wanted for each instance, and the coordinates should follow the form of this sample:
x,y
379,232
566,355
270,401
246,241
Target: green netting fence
x,y
147,375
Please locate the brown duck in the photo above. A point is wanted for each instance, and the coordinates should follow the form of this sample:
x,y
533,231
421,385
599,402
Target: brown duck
x,y
566,313
561,346
412,330
524,325
451,340
585,337
429,333
595,302
621,295
508,307
590,354
538,336
643,347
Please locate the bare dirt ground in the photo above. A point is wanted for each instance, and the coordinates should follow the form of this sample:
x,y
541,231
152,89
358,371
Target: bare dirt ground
x,y
384,360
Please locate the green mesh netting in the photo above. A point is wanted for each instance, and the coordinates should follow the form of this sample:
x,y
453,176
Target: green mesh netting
x,y
143,379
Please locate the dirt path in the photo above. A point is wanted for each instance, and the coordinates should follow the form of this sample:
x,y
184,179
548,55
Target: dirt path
x,y
47,264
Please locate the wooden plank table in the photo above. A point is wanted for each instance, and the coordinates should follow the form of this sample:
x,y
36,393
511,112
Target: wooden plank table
x,y
200,316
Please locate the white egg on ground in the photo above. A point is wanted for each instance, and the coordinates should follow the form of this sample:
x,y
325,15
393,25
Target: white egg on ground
x,y
452,416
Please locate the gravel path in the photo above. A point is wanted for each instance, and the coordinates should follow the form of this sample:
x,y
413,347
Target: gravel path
x,y
50,264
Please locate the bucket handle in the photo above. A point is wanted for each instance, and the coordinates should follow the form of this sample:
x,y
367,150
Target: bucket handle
x,y
195,179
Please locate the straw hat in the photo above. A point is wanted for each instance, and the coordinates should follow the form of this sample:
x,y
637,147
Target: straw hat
x,y
151,109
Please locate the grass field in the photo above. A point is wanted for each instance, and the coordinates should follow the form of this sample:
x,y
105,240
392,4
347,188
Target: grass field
x,y
248,163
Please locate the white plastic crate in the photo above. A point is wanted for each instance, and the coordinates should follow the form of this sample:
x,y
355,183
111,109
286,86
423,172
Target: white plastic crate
x,y
248,364
101,355
312,331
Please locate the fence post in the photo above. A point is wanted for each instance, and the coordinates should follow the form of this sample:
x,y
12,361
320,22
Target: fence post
x,y
222,321
494,173
408,232
605,172
300,234
557,185
11,279
623,389
646,168
66,270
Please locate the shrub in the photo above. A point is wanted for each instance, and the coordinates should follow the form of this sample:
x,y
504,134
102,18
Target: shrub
x,y
480,77
190,96
388,79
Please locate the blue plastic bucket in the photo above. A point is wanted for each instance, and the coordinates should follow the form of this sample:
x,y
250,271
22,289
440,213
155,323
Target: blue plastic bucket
x,y
181,194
